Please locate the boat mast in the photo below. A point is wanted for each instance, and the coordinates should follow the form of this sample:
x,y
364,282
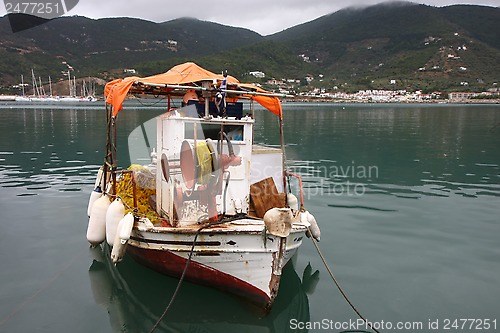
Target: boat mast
x,y
50,86
42,91
22,83
69,81
283,157
85,89
35,87
110,163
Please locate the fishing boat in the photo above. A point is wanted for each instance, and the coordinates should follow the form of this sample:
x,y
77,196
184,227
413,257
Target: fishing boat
x,y
212,206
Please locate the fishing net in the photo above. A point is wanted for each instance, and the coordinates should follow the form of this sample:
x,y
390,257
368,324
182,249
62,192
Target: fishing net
x,y
145,188
143,177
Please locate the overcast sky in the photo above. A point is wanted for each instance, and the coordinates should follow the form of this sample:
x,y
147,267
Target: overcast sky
x,y
263,16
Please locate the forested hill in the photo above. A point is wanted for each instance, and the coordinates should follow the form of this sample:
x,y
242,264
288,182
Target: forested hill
x,y
413,46
403,41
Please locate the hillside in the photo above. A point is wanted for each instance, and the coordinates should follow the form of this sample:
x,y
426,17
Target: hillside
x,y
397,45
93,47
418,46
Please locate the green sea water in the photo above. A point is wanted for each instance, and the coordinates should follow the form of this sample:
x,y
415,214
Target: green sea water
x,y
407,198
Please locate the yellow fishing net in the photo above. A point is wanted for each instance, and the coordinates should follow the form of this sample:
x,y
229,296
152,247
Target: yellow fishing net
x,y
145,188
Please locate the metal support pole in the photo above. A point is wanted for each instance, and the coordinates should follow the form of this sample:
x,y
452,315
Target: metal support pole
x,y
283,157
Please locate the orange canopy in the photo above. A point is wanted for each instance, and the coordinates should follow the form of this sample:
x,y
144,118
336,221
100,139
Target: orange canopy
x,y
187,74
271,103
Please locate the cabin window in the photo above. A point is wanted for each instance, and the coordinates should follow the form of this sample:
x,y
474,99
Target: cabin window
x,y
212,131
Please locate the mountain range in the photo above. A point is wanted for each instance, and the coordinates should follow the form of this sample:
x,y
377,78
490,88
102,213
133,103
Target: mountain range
x,y
398,45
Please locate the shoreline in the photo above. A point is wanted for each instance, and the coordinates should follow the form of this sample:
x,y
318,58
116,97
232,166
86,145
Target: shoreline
x,y
354,101
10,100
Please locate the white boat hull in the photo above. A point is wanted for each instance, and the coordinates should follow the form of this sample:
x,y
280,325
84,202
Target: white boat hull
x,y
241,259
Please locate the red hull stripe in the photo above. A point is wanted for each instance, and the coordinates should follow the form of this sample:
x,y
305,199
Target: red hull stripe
x,y
171,264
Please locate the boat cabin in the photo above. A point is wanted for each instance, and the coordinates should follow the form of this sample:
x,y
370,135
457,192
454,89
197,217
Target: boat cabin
x,y
207,163
206,166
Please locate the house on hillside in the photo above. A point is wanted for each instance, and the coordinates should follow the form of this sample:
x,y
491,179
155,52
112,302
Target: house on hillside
x,y
258,74
275,82
461,96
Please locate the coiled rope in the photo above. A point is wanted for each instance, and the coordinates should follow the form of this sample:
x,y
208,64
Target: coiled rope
x,y
338,284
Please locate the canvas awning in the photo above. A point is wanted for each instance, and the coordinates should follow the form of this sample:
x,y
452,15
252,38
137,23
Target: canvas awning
x,y
186,75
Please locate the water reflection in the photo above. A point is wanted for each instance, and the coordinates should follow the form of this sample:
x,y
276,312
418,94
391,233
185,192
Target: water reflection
x,y
408,152
135,297
415,151
424,237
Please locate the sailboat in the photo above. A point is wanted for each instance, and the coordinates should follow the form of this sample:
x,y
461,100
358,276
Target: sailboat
x,y
40,96
73,97
23,97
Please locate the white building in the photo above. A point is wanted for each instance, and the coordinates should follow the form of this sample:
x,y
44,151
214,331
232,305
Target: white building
x,y
258,74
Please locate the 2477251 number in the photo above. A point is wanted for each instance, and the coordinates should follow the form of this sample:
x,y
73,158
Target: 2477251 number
x,y
33,8
469,324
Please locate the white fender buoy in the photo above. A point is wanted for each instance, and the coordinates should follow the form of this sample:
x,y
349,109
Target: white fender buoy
x,y
115,213
108,187
292,201
278,221
96,230
98,178
303,219
315,231
118,249
96,194
126,228
119,244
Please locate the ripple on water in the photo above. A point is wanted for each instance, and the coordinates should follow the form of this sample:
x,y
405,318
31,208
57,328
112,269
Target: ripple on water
x,y
61,179
361,207
26,195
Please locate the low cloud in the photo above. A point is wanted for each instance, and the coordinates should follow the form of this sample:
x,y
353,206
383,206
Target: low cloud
x,y
263,16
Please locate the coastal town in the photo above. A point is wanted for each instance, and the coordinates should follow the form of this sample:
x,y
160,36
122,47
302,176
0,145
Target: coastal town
x,y
492,96
310,92
306,90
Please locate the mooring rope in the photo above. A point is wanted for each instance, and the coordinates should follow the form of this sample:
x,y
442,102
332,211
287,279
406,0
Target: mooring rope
x,y
338,284
181,279
149,104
